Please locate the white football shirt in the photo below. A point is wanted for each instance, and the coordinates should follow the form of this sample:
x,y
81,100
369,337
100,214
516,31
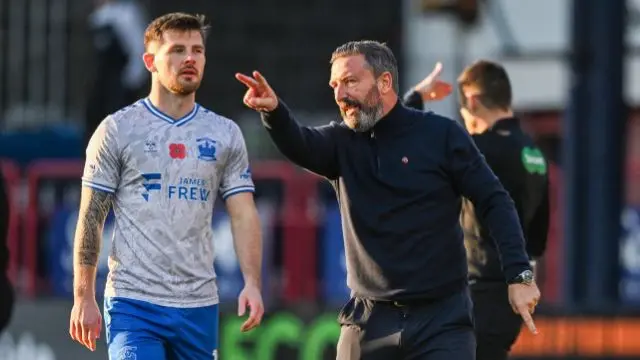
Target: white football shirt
x,y
165,175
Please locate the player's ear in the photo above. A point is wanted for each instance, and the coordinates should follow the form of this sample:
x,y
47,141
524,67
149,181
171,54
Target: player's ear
x,y
149,61
385,83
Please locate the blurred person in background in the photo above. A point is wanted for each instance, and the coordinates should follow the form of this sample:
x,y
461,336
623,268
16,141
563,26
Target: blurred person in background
x,y
160,163
400,175
117,29
485,105
7,297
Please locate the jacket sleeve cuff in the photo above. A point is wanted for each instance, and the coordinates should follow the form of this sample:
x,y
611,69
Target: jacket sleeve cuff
x,y
413,99
278,115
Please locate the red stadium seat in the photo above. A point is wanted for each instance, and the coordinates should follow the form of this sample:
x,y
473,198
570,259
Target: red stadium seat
x,y
299,227
35,173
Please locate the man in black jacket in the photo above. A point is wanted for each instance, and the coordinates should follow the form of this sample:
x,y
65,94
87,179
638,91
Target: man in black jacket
x,y
485,93
7,298
399,175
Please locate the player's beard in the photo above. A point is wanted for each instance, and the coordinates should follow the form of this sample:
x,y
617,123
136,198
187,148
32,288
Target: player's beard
x,y
182,87
367,113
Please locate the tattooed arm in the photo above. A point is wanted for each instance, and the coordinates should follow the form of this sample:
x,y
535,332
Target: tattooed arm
x,y
100,181
94,207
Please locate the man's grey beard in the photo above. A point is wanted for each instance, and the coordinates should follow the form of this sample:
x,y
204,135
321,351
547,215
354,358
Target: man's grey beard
x,y
367,118
370,111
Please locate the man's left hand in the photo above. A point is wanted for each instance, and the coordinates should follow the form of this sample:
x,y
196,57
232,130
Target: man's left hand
x,y
251,297
524,299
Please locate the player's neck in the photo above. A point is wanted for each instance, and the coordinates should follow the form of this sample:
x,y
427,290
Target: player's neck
x,y
171,104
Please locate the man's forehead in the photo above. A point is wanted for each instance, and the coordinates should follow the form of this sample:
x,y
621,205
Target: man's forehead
x,y
348,65
184,37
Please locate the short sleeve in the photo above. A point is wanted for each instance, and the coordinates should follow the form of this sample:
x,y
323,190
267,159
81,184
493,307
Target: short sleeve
x,y
236,176
102,165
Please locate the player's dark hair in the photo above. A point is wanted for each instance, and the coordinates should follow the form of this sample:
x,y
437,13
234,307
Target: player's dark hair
x,y
174,21
377,55
491,81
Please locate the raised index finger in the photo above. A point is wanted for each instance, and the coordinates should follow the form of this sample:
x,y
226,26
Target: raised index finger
x,y
247,80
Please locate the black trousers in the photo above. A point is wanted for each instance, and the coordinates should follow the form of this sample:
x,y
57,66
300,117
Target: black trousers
x,y
436,330
497,326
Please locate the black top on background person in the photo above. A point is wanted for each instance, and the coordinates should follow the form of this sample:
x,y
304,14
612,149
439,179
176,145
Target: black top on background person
x,y
515,160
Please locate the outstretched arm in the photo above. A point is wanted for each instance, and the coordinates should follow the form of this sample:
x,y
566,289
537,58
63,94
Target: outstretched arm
x,y
313,148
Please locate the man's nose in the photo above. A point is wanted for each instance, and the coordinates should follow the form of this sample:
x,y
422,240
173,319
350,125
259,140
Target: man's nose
x,y
339,93
190,59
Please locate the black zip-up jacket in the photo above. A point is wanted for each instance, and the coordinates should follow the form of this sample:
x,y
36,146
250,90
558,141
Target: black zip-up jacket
x,y
399,188
522,169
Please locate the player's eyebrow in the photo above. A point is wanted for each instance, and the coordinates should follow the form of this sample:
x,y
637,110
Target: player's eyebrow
x,y
182,47
176,46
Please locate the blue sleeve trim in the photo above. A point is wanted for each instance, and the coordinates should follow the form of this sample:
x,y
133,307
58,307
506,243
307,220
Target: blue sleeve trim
x,y
237,190
98,186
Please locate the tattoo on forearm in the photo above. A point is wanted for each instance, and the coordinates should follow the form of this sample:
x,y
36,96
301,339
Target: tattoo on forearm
x,y
94,208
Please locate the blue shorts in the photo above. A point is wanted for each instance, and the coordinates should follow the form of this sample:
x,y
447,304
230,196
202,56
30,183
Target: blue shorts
x,y
138,330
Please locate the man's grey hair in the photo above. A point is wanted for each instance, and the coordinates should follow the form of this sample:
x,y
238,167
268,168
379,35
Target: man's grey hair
x,y
377,55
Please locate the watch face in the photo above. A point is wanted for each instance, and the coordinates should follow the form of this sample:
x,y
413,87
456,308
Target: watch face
x,y
525,277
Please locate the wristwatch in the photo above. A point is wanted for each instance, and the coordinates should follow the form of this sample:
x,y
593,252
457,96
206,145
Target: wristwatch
x,y
525,278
